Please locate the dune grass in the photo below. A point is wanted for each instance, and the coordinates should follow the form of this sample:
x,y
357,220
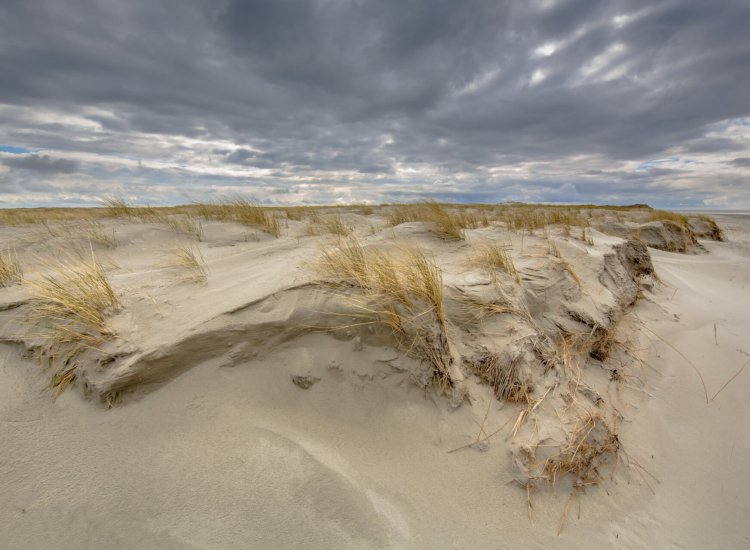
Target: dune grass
x,y
70,306
664,215
186,225
592,444
447,222
403,291
243,211
502,376
494,257
11,271
192,263
117,207
321,225
95,232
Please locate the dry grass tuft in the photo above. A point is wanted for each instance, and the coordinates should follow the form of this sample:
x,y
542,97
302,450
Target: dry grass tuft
x,y
251,214
118,208
664,215
191,261
333,224
592,446
186,225
242,211
494,257
69,307
447,223
96,233
294,213
320,225
503,376
403,291
10,268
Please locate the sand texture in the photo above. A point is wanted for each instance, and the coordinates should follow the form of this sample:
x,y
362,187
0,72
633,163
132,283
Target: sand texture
x,y
266,396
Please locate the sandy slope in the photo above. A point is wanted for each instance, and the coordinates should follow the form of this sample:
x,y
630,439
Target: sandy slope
x,y
228,453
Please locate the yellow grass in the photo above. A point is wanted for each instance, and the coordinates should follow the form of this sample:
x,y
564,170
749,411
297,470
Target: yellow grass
x,y
69,307
95,232
664,215
191,261
503,376
493,257
320,225
403,291
447,222
10,268
186,225
242,211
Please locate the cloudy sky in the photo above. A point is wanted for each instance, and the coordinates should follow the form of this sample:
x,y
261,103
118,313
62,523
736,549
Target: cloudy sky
x,y
324,101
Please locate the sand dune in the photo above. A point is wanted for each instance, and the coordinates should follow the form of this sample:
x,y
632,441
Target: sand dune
x,y
271,406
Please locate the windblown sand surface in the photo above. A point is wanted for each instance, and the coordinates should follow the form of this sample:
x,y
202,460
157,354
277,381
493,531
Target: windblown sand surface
x,y
261,409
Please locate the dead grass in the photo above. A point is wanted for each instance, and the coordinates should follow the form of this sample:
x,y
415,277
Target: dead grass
x,y
117,207
69,307
11,271
592,446
186,225
447,222
192,263
664,215
502,376
564,264
403,291
294,213
493,257
95,232
321,225
242,211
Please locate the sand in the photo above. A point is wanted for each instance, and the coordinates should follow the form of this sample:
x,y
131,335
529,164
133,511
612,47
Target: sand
x,y
210,444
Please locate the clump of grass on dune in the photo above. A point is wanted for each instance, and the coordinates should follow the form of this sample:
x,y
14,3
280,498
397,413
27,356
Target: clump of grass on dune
x,y
494,257
591,451
319,225
70,306
186,225
401,214
117,207
294,213
502,376
591,446
242,211
448,223
191,261
10,268
249,213
95,232
404,292
334,225
665,215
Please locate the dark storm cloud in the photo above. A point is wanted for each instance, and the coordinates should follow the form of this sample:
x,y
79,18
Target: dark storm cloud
x,y
41,163
441,90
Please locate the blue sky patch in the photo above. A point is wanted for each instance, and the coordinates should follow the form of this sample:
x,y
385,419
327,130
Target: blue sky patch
x,y
14,150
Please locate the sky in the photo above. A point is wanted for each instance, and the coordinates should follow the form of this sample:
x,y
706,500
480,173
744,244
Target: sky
x,y
369,101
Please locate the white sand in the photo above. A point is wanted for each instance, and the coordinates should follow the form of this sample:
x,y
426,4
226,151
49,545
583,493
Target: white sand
x,y
225,452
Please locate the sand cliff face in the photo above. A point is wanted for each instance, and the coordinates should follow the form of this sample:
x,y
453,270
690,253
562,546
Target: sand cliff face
x,y
271,295
302,384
